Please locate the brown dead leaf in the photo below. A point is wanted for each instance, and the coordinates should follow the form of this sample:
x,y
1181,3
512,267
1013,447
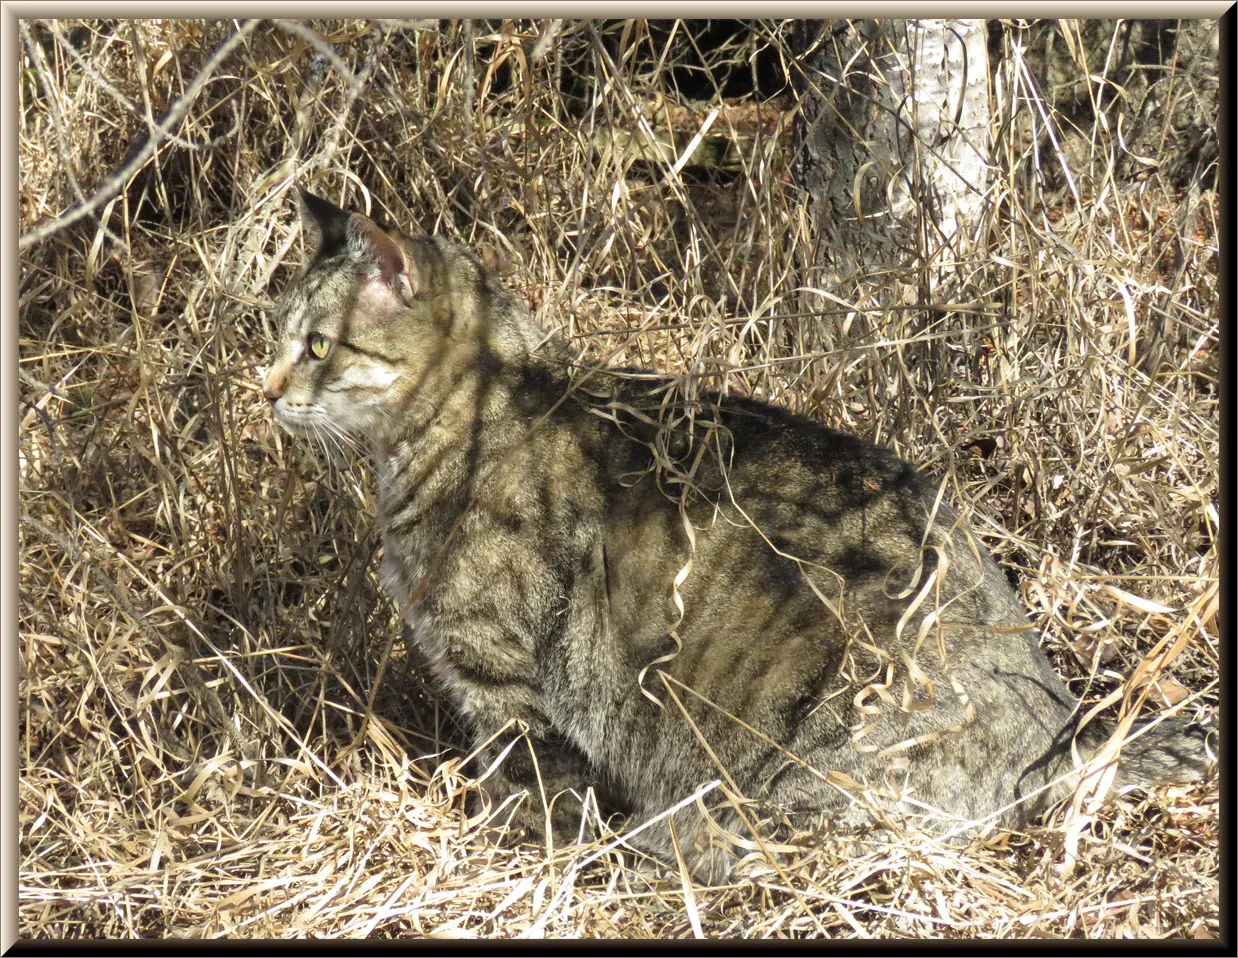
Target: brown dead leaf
x,y
1085,650
1167,691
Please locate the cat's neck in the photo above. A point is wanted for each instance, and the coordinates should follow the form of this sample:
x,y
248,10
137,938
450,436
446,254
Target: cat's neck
x,y
449,437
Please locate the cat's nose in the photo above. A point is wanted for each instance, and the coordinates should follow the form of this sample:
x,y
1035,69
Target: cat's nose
x,y
273,385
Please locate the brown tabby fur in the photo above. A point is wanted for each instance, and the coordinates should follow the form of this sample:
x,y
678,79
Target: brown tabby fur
x,y
837,617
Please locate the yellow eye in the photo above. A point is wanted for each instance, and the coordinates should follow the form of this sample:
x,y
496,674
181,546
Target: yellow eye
x,y
319,345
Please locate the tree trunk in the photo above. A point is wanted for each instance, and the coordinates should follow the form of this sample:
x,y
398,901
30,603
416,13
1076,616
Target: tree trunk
x,y
891,147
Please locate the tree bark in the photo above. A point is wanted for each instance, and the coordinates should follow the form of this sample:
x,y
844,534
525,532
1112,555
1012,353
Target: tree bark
x,y
891,148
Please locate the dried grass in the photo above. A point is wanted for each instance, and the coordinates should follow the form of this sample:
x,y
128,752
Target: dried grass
x,y
200,622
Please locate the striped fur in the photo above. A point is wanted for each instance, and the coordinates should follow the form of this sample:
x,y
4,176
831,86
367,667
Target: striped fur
x,y
846,649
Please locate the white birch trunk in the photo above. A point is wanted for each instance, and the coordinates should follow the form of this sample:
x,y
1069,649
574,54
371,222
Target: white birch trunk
x,y
893,145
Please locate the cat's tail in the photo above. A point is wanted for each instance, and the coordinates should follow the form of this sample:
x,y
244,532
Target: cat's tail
x,y
1157,751
1173,750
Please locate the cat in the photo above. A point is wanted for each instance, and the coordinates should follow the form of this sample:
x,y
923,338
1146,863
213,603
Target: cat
x,y
619,596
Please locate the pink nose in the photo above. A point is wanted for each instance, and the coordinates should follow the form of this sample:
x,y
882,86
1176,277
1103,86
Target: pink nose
x,y
273,386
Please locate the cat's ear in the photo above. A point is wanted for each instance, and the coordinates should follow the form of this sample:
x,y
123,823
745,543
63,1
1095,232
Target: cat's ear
x,y
372,243
390,265
324,225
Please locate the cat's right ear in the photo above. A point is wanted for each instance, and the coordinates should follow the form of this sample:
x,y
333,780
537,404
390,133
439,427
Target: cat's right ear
x,y
323,225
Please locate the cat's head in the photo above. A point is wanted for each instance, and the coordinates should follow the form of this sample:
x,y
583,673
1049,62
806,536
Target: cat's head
x,y
379,326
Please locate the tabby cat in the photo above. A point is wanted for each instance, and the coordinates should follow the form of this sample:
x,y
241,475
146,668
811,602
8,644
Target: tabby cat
x,y
645,602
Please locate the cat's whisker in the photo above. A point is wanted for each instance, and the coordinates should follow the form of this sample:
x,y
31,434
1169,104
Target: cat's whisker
x,y
339,441
342,441
331,452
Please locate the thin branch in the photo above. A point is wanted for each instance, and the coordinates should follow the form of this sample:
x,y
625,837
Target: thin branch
x,y
117,180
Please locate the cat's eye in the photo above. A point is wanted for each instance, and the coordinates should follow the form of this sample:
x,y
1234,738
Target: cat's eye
x,y
319,345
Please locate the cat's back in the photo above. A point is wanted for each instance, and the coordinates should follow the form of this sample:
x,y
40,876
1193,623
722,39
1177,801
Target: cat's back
x,y
797,484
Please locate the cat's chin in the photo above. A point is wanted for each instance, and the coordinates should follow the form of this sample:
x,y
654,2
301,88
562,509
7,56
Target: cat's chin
x,y
296,426
308,426
316,427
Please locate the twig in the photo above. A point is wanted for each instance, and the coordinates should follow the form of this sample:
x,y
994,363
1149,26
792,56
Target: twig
x,y
117,180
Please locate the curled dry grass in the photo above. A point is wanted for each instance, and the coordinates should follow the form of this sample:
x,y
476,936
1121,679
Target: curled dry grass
x,y
200,623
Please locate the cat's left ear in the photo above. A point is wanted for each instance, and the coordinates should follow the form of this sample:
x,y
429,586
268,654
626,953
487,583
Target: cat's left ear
x,y
382,253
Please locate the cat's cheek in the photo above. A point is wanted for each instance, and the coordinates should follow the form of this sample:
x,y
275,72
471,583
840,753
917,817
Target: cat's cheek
x,y
360,425
372,420
333,414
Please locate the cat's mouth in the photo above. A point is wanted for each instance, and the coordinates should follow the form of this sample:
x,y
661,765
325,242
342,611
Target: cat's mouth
x,y
296,419
312,421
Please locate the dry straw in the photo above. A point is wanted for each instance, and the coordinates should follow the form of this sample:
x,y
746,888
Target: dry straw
x,y
200,622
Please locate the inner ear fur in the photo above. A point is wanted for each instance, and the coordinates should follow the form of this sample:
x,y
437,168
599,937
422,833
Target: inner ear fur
x,y
372,242
406,267
493,260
